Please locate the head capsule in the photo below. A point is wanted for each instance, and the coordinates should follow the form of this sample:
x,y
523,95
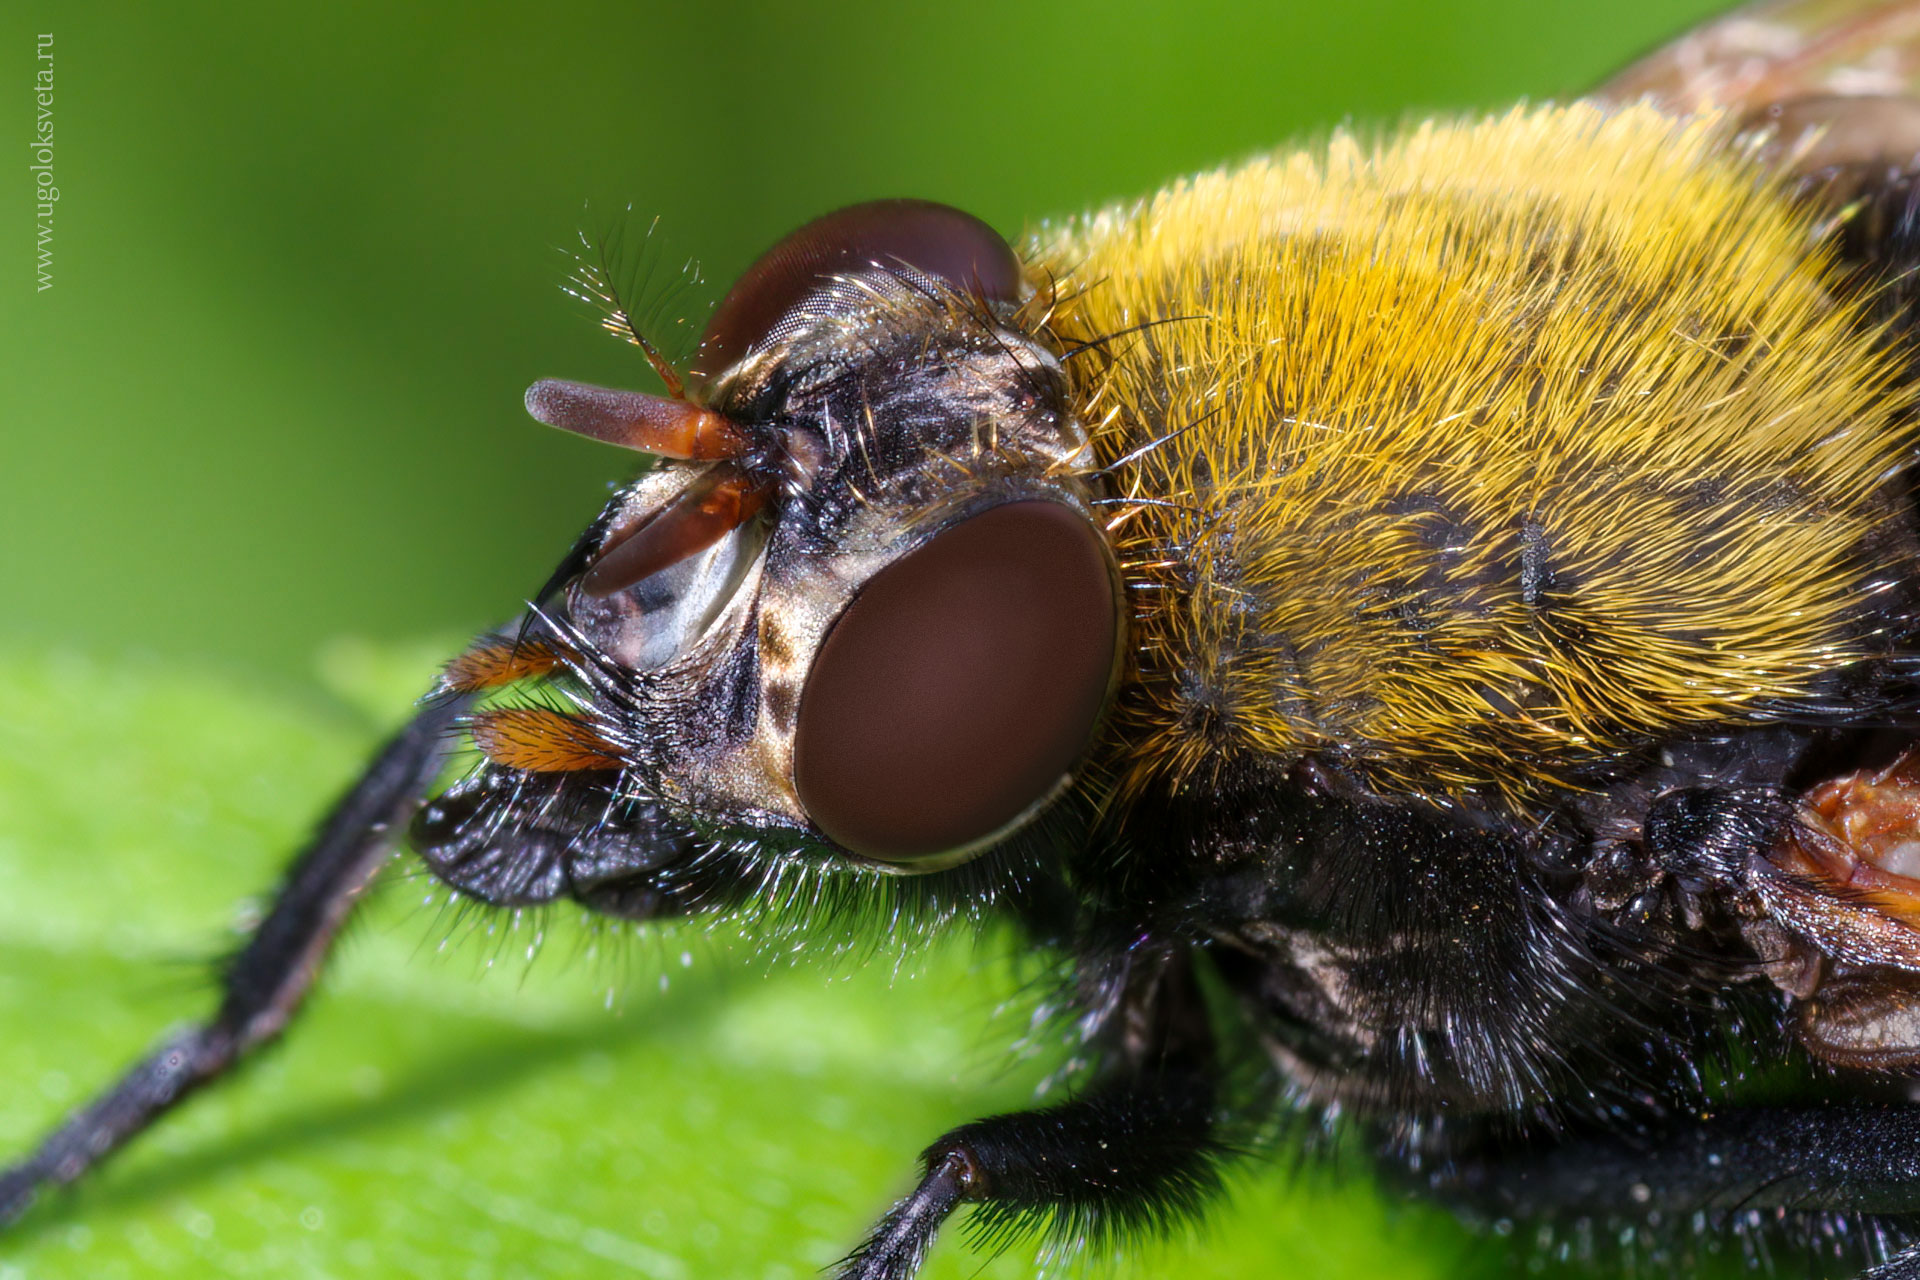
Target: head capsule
x,y
869,604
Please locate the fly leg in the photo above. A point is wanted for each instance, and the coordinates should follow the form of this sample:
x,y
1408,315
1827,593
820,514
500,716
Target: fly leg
x,y
264,984
1137,1149
1824,1160
1904,1265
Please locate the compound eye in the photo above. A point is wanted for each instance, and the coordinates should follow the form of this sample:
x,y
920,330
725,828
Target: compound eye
x,y
933,239
960,686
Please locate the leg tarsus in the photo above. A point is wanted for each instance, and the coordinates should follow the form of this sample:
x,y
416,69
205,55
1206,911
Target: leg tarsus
x,y
1117,1159
898,1244
267,980
155,1083
1137,1150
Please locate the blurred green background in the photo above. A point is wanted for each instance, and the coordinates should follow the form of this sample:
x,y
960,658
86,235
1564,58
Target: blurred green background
x,y
265,452
305,260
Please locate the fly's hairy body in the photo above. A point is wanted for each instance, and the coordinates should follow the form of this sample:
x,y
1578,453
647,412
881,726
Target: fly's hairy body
x,y
1486,457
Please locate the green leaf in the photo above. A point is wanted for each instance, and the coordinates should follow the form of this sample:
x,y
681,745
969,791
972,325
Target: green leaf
x,y
653,1104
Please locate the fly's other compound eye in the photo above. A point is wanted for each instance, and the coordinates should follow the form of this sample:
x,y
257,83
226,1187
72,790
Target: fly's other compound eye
x,y
955,692
933,239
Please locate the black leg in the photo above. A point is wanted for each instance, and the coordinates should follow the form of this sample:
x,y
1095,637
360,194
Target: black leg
x,y
1798,1164
264,984
1137,1151
1827,1159
1904,1265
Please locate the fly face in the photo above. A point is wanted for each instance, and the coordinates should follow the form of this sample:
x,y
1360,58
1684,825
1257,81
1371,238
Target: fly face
x,y
866,613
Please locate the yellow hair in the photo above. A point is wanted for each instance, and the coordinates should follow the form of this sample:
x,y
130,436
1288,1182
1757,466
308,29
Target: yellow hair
x,y
1481,455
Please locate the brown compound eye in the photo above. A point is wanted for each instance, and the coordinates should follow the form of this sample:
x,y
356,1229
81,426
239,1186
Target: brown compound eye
x,y
960,686
932,239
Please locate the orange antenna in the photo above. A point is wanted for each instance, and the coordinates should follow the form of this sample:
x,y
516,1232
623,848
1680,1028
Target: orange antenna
x,y
675,428
712,506
667,373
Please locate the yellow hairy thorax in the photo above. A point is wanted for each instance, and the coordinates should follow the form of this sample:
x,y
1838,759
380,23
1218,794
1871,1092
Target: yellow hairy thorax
x,y
1483,456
